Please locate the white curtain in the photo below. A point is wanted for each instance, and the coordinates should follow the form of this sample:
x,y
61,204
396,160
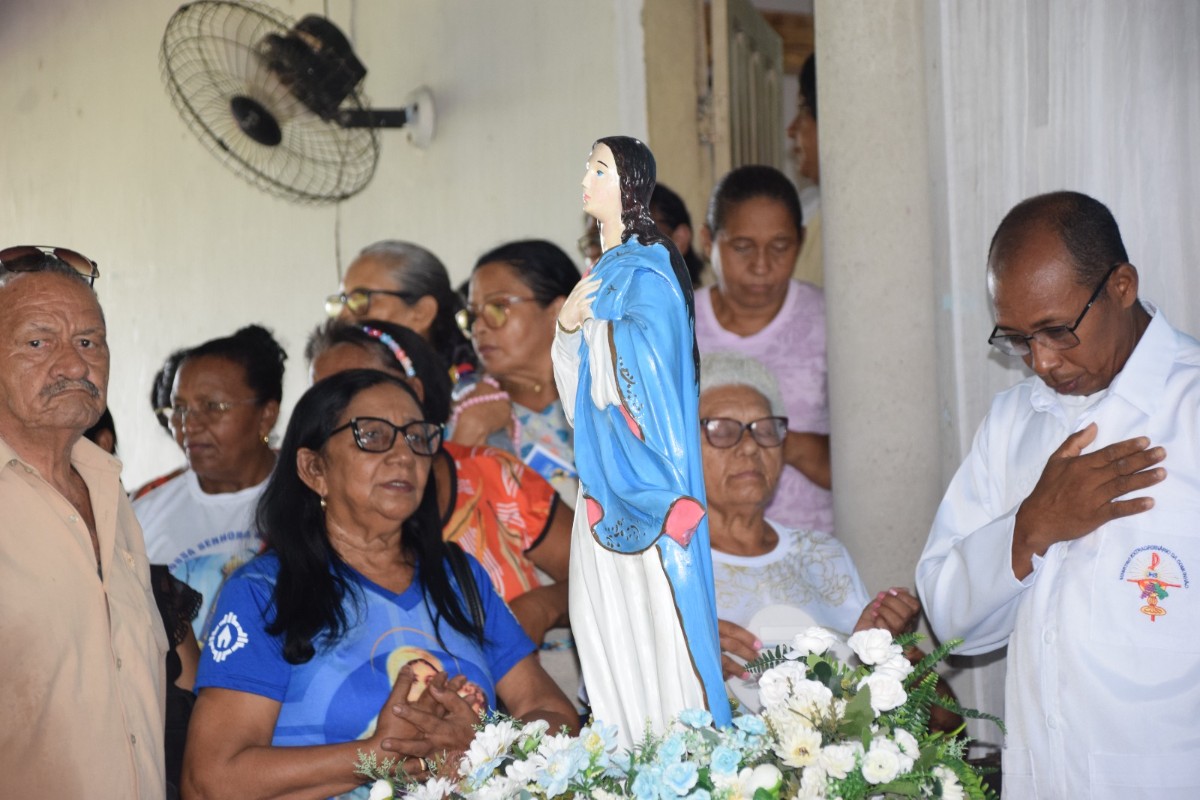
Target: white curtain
x,y
1030,96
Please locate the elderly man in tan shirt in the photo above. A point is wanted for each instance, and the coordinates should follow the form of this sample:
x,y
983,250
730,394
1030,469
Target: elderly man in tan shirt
x,y
81,642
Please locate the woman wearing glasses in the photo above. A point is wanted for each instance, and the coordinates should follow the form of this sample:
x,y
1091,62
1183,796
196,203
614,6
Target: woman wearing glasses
x,y
224,401
405,284
359,629
490,503
514,297
754,231
772,581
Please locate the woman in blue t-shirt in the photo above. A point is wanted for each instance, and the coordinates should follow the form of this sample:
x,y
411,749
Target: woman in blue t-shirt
x,y
360,629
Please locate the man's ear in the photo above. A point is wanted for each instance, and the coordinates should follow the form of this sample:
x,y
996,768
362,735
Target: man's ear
x,y
706,241
1125,282
310,466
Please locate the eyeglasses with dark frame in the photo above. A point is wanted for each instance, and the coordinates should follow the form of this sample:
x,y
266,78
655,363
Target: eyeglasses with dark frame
x,y
359,300
33,258
206,411
723,432
375,435
1055,337
494,313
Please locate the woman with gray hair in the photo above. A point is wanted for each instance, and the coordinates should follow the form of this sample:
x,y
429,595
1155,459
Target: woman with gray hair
x,y
771,581
405,284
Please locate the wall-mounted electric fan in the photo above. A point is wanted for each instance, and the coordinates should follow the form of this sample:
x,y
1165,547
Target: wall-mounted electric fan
x,y
278,101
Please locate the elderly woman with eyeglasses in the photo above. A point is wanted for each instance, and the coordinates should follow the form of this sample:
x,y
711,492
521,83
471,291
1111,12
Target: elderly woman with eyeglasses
x,y
515,294
405,284
360,629
224,401
772,581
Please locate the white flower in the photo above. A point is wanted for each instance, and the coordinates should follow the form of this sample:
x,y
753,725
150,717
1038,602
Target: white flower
x,y
814,640
910,749
775,684
886,692
813,784
495,789
489,744
838,759
897,666
525,772
554,744
810,699
798,745
432,789
873,646
881,764
381,790
951,788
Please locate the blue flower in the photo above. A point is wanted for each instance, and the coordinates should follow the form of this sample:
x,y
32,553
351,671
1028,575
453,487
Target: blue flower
x,y
696,718
680,777
562,768
648,784
725,760
751,725
671,750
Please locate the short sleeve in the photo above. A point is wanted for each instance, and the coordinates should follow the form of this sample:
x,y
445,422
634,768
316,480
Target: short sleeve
x,y
239,653
505,642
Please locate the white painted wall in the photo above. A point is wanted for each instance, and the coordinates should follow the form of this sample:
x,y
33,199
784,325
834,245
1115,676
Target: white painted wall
x,y
94,157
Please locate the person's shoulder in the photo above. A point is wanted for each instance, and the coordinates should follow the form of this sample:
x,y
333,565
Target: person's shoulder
x,y
155,490
805,294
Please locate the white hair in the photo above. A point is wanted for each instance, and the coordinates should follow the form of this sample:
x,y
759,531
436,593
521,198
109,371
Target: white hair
x,y
735,369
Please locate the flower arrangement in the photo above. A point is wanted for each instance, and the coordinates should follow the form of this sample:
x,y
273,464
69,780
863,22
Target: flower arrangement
x,y
828,729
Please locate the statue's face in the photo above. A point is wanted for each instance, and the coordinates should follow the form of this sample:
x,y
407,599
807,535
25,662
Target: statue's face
x,y
602,186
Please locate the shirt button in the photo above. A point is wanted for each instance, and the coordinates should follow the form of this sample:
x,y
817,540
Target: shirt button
x,y
1052,722
74,518
132,739
1048,637
118,663
29,470
12,462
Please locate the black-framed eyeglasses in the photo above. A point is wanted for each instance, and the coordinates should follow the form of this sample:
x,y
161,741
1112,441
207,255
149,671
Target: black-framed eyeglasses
x,y
375,435
723,433
494,313
206,411
35,258
358,301
1056,337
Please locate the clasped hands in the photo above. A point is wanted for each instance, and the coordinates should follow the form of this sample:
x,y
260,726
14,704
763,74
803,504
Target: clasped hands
x,y
1076,493
422,723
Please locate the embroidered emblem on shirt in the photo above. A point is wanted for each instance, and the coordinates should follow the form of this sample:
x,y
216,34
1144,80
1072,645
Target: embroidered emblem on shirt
x,y
1154,570
227,638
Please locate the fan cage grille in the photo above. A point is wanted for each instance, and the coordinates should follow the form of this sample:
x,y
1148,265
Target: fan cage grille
x,y
209,56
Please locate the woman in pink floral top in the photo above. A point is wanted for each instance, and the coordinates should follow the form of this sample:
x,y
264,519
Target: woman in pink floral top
x,y
754,231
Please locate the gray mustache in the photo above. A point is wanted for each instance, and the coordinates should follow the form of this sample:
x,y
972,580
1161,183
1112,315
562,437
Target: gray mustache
x,y
58,387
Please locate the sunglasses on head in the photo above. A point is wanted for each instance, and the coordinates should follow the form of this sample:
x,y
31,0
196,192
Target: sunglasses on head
x,y
36,257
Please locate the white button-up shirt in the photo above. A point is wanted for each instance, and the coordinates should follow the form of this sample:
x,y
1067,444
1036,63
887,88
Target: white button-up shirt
x,y
1102,698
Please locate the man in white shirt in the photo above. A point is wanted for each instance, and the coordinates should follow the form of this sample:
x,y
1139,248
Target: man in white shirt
x,y
1069,531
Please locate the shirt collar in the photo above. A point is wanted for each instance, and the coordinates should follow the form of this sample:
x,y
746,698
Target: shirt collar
x,y
1140,382
84,455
